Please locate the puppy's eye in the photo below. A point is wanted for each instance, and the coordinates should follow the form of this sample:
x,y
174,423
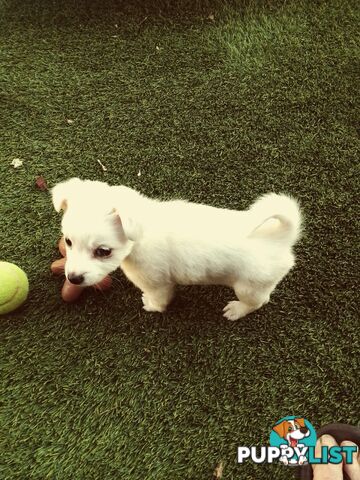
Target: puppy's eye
x,y
290,429
68,242
102,252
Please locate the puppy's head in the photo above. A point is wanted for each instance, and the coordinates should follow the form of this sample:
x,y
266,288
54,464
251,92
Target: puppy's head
x,y
95,239
292,429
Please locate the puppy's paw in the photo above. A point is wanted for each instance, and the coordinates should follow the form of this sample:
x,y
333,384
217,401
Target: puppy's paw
x,y
235,310
302,460
150,306
284,460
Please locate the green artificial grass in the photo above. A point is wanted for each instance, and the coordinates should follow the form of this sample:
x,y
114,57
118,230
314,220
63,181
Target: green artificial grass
x,y
211,101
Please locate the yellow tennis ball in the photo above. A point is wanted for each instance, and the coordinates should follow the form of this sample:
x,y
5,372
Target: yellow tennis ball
x,y
14,287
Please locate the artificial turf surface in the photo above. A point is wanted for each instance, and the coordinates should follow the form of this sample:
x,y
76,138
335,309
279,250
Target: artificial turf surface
x,y
212,102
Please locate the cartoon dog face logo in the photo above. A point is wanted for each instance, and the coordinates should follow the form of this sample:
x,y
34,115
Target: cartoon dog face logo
x,y
292,431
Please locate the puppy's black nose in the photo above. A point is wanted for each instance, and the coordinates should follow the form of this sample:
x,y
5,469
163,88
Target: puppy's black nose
x,y
75,279
304,429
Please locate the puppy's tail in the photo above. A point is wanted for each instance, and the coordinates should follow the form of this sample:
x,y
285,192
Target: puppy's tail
x,y
275,217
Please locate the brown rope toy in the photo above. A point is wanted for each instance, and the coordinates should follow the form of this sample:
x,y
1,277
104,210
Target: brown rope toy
x,y
71,292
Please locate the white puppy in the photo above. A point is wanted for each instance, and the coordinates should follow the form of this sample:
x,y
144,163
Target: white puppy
x,y
159,244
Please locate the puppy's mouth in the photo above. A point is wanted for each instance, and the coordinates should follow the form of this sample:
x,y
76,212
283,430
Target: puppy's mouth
x,y
293,442
75,280
99,284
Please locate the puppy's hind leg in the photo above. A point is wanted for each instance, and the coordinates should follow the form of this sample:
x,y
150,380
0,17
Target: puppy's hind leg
x,y
156,299
251,298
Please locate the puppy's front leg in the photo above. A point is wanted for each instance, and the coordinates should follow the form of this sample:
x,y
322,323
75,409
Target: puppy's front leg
x,y
156,299
156,295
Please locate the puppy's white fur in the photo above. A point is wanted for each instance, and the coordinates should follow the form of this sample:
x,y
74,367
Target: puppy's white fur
x,y
159,244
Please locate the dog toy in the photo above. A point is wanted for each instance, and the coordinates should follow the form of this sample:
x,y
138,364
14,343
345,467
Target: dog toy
x,y
71,292
14,287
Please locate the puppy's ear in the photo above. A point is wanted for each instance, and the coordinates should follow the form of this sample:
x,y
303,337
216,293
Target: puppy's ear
x,y
124,225
281,428
62,191
300,421
115,220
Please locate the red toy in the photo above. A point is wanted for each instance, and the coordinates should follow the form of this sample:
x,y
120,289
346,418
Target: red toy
x,y
71,292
